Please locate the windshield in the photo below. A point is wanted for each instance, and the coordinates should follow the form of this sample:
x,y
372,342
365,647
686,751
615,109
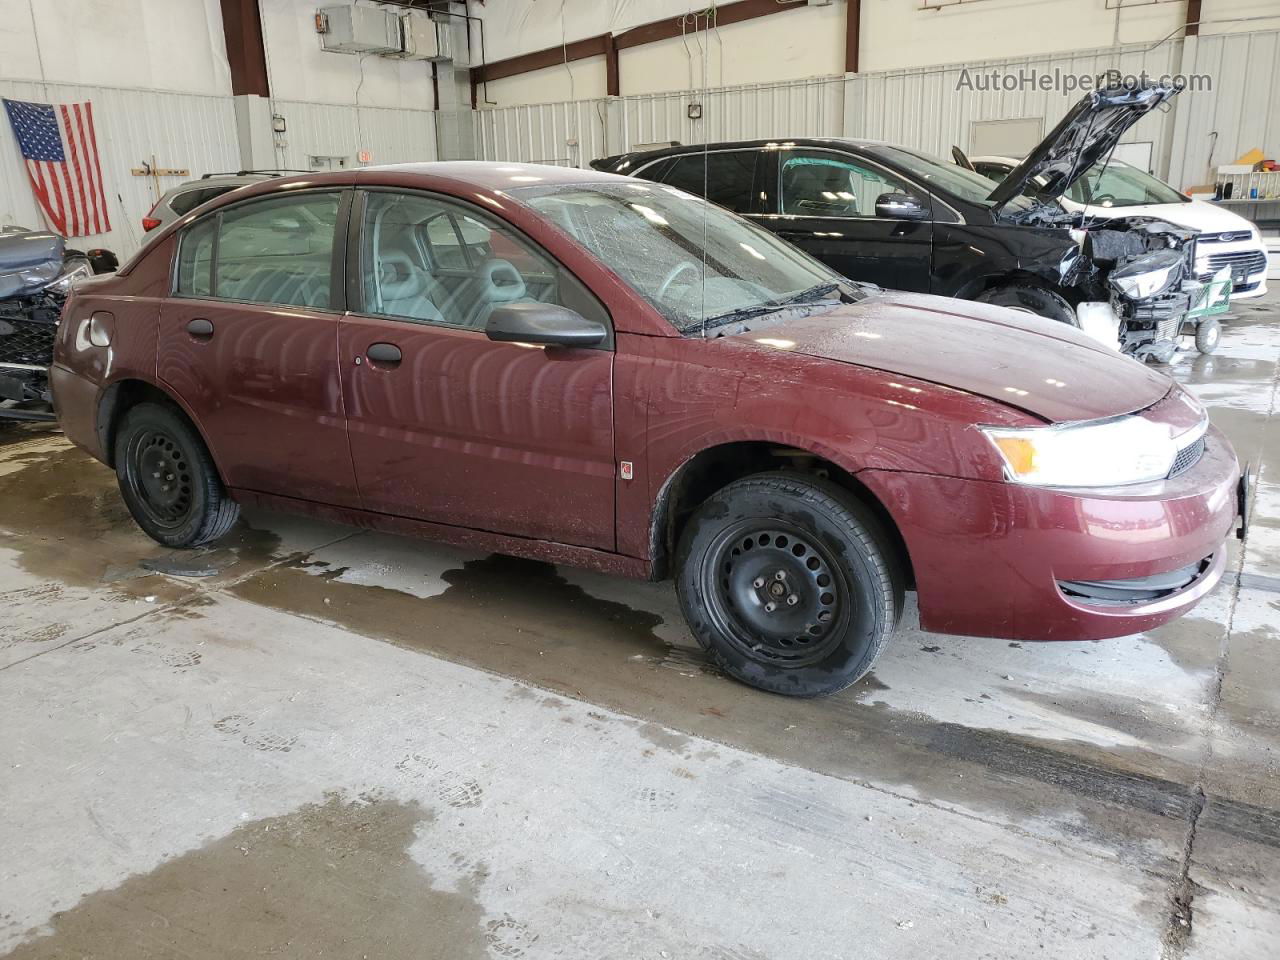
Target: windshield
x,y
1120,185
653,237
947,177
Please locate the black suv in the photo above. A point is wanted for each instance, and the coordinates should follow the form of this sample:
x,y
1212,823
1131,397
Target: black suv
x,y
903,219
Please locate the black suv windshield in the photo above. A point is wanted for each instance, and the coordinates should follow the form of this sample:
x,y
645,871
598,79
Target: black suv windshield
x,y
655,237
945,177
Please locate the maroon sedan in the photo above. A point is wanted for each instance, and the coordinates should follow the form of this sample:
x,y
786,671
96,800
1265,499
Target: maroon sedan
x,y
589,369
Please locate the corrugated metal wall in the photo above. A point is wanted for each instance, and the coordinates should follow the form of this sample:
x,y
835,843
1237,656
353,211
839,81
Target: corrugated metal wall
x,y
179,130
197,133
924,108
928,109
569,133
813,108
392,135
573,133
1242,112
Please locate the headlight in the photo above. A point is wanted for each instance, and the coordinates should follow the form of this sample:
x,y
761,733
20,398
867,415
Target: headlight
x,y
1139,286
66,280
1105,453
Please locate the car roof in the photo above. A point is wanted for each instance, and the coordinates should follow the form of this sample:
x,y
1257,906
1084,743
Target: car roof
x,y
487,174
460,177
777,142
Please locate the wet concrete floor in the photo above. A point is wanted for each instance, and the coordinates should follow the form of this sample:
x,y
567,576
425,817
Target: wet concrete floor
x,y
315,741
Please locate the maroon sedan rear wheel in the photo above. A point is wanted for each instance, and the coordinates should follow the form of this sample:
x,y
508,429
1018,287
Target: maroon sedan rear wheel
x,y
168,480
789,584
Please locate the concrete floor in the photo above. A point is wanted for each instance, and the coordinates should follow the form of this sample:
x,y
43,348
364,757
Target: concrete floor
x,y
313,741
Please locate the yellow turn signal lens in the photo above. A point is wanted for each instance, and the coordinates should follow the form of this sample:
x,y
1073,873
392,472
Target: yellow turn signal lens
x,y
1019,454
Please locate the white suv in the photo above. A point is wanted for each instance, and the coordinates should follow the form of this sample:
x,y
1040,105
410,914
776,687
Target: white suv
x,y
1121,190
185,197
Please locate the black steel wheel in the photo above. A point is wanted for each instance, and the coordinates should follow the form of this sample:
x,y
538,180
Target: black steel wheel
x,y
168,479
789,583
774,592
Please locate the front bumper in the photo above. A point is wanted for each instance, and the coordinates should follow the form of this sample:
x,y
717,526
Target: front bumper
x,y
1246,260
990,558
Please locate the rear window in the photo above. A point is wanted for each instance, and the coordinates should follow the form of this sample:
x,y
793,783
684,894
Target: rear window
x,y
186,202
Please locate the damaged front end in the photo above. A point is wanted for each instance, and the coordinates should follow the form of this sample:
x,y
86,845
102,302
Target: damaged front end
x,y
1134,286
1145,271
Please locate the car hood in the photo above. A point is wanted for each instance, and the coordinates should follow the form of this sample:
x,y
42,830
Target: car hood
x,y
1046,368
1196,215
1088,132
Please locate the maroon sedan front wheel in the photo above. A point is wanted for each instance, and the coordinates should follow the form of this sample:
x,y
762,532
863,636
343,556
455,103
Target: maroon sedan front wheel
x,y
789,583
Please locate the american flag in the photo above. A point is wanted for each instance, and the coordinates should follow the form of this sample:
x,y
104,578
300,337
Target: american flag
x,y
61,152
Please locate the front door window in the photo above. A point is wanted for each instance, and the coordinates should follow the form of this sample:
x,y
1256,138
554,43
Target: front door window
x,y
821,185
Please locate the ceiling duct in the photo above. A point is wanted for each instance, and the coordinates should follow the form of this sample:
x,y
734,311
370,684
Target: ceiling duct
x,y
439,37
358,30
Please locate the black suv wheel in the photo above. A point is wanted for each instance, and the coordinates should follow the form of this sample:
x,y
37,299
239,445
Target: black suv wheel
x,y
1032,299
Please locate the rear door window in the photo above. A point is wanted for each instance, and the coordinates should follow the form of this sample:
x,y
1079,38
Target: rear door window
x,y
275,250
730,178
278,250
195,259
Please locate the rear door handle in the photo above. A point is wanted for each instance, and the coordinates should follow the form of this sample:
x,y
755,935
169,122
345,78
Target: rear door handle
x,y
387,354
200,327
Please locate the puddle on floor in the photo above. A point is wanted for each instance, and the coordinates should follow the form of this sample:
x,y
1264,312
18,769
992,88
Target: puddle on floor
x,y
330,879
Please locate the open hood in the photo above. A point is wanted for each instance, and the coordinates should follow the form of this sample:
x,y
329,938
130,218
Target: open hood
x,y
1088,132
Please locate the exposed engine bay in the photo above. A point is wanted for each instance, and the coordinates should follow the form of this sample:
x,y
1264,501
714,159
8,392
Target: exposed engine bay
x,y
1145,269
1133,281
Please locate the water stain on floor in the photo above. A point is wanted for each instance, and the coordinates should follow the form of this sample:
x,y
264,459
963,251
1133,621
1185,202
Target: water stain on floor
x,y
330,879
522,619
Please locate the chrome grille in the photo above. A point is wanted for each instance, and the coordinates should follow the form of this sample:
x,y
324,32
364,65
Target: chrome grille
x,y
1229,236
1187,458
1244,261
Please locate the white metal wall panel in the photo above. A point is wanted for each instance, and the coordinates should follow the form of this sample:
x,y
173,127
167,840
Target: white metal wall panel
x,y
189,131
569,133
800,108
391,135
575,132
1242,112
924,108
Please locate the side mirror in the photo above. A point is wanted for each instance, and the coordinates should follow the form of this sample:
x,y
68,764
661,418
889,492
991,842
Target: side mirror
x,y
900,206
547,323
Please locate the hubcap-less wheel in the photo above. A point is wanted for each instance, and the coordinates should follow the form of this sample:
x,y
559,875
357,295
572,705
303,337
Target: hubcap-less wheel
x,y
775,593
160,475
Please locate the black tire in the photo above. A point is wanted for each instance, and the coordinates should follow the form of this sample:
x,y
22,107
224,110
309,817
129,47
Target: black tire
x,y
1033,299
168,480
835,560
1208,334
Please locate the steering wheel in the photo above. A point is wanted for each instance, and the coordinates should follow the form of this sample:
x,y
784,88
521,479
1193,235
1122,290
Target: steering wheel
x,y
673,273
1102,199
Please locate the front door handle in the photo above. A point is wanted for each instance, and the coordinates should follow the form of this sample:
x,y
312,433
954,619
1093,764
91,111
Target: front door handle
x,y
387,354
200,327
